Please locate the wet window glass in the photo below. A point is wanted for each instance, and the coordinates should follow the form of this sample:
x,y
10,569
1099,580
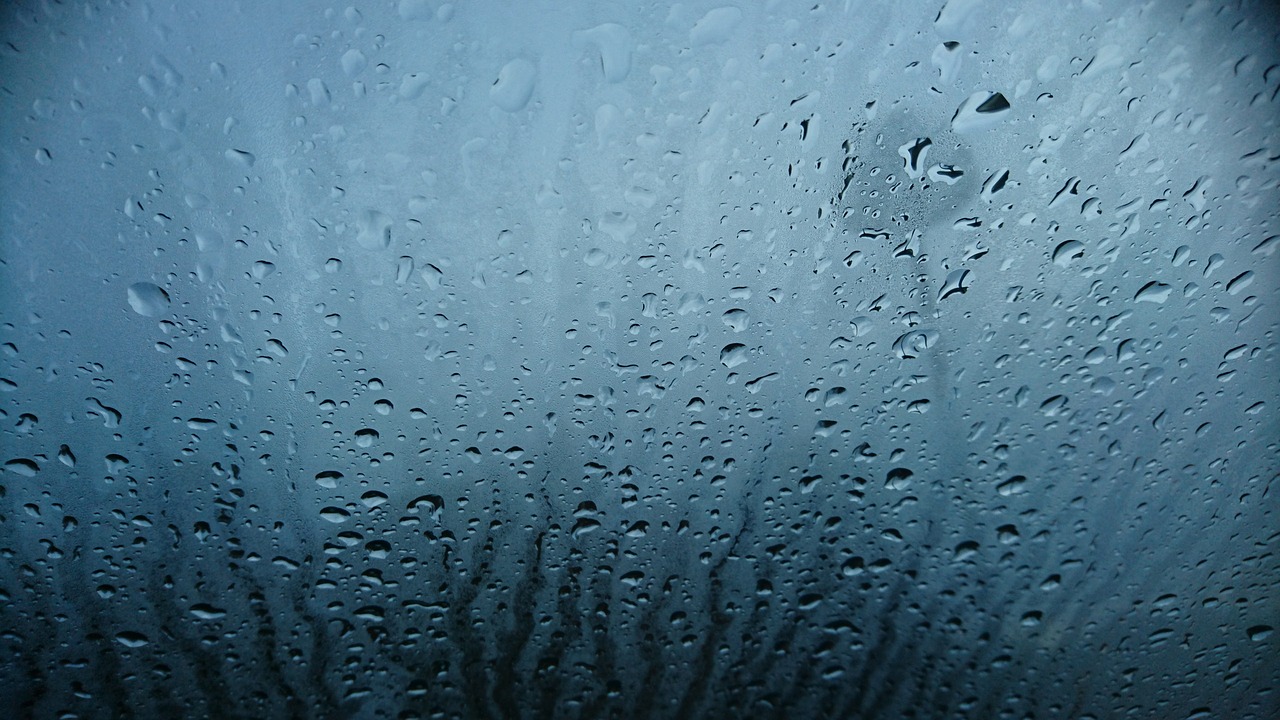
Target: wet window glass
x,y
838,359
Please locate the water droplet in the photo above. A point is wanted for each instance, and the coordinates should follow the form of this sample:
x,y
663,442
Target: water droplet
x,y
582,526
957,283
514,86
966,550
432,504
373,230
980,111
737,319
1153,292
1013,486
205,611
334,514
353,62
1240,282
1067,251
733,355
373,498
132,639
715,27
22,466
147,299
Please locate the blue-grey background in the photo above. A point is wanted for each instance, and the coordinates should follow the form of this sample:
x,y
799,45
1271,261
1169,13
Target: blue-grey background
x,y
562,359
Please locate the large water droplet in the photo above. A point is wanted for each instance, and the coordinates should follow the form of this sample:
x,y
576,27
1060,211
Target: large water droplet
x,y
147,299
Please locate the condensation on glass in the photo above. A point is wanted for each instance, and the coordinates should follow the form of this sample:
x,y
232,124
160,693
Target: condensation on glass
x,y
561,359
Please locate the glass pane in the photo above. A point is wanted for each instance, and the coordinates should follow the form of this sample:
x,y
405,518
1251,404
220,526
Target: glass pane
x,y
562,359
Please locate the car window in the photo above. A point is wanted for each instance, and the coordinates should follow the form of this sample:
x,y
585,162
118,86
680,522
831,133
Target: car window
x,y
837,359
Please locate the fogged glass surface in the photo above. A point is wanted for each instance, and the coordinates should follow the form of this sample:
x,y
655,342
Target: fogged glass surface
x,y
639,360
